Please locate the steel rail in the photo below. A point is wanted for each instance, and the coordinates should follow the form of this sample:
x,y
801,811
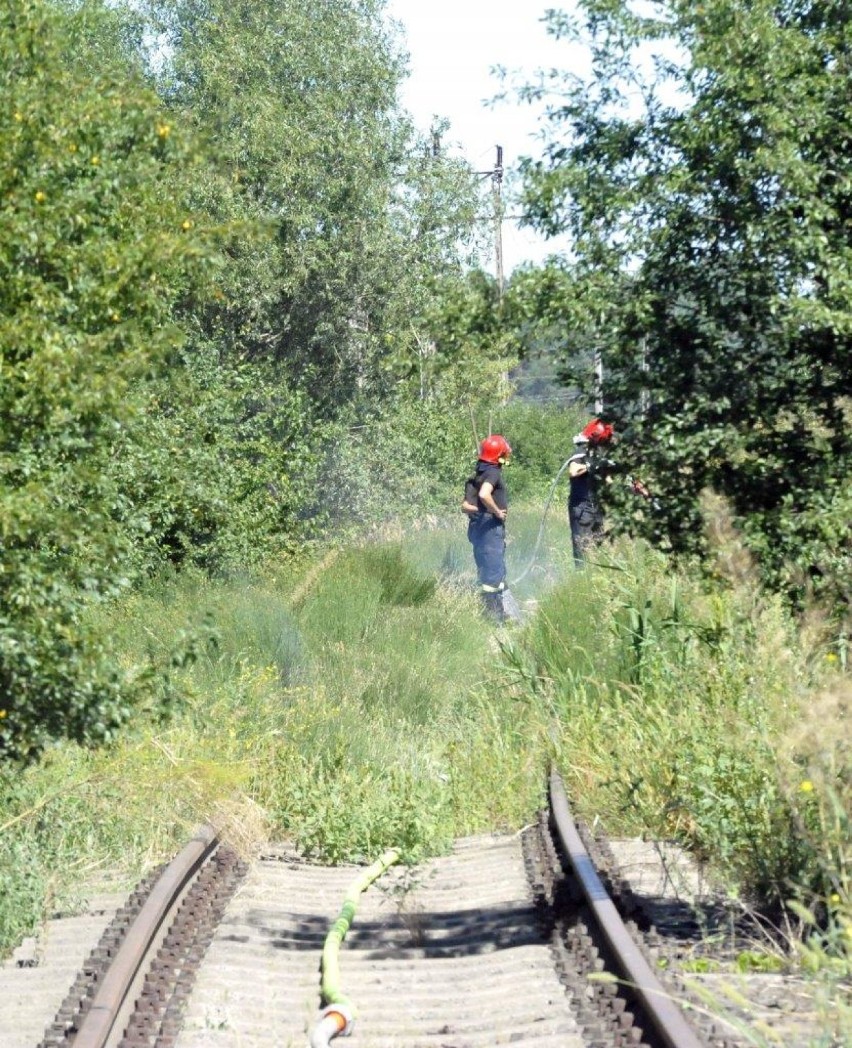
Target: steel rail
x,y
662,1011
96,1026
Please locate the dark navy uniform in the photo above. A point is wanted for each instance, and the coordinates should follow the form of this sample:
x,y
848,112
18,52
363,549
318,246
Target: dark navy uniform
x,y
487,534
586,471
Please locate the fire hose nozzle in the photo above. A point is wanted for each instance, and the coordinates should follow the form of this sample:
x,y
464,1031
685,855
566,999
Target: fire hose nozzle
x,y
335,1020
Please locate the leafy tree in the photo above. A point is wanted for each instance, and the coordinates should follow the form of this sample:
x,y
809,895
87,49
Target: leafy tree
x,y
408,459
345,227
437,303
218,251
351,225
711,248
555,334
464,321
219,471
97,248
299,105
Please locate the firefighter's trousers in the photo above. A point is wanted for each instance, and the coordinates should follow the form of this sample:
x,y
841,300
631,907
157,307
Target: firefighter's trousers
x,y
488,538
586,522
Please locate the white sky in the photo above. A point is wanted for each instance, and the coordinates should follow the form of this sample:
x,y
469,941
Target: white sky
x,y
454,46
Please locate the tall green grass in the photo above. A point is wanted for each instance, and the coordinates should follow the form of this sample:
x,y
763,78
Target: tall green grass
x,y
699,710
351,704
360,701
674,702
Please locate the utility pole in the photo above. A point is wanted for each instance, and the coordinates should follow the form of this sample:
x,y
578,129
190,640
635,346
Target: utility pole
x,y
496,175
497,184
599,369
644,395
599,403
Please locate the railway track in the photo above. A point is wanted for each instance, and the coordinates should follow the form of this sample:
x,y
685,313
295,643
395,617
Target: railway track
x,y
509,939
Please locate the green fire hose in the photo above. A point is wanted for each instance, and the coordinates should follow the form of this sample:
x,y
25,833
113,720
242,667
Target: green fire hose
x,y
338,1014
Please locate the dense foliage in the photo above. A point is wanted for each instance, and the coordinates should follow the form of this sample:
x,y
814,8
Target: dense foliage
x,y
222,258
703,172
97,249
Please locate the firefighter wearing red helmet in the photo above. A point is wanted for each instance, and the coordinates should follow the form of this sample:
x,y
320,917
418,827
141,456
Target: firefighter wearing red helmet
x,y
495,450
597,432
486,506
587,468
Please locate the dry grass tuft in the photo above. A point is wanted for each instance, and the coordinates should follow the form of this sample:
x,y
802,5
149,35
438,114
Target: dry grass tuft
x,y
820,739
242,823
733,561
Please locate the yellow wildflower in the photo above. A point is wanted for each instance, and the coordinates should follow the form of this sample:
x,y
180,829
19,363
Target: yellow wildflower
x,y
2,714
40,197
96,160
163,130
186,224
806,786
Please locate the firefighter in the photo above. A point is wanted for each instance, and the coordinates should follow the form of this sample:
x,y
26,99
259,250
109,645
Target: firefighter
x,y
587,468
486,505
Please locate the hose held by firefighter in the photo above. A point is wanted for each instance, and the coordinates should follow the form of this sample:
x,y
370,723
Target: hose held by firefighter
x,y
589,467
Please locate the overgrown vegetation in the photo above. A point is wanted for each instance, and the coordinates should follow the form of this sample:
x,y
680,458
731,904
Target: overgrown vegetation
x,y
699,169
246,356
671,709
356,702
95,255
349,702
211,284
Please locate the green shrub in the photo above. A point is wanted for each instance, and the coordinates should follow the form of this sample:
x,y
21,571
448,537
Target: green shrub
x,y
541,442
220,471
98,248
672,704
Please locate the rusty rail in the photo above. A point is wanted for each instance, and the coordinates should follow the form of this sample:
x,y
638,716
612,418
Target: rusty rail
x,y
97,1025
663,1012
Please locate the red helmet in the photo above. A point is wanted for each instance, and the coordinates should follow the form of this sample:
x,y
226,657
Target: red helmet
x,y
494,449
598,432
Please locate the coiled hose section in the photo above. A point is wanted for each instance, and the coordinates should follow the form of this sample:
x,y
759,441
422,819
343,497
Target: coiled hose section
x,y
338,1014
529,566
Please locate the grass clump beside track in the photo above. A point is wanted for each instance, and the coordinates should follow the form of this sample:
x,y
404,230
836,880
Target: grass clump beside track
x,y
700,711
670,706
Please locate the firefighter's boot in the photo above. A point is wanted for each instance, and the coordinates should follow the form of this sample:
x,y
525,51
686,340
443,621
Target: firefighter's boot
x,y
492,601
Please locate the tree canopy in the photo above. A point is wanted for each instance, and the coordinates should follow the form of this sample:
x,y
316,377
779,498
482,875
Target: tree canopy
x,y
703,172
223,245
98,247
